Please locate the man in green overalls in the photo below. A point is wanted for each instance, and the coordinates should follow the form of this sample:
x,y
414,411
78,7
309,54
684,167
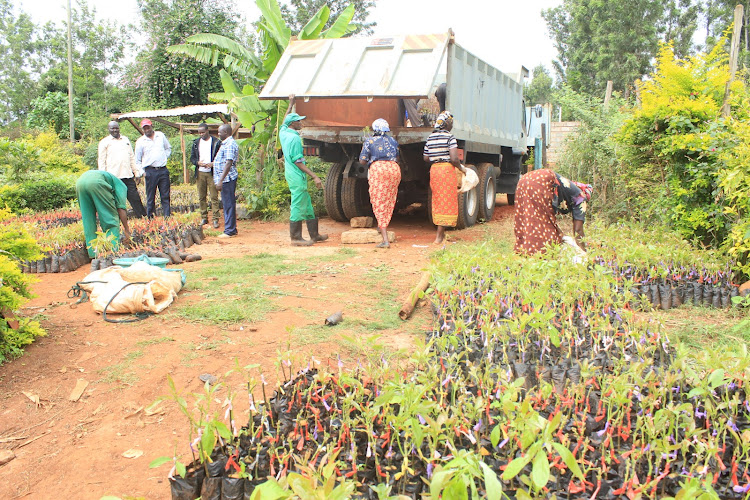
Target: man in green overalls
x,y
104,195
296,172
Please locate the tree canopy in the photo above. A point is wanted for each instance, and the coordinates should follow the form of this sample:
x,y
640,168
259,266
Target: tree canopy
x,y
599,41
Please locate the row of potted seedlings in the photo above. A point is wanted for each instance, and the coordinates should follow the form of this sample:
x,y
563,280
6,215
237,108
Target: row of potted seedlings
x,y
157,237
61,233
537,381
664,272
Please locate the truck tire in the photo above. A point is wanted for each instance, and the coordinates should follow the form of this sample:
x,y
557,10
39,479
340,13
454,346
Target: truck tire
x,y
487,191
355,198
511,198
468,206
332,193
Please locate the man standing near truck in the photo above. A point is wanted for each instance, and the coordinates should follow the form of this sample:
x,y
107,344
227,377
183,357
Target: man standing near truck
x,y
296,172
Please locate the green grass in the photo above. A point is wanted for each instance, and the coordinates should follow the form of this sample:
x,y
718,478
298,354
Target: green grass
x,y
159,340
700,329
121,373
234,290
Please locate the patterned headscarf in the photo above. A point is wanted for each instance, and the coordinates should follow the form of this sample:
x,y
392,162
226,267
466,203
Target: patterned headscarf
x,y
380,126
443,120
586,189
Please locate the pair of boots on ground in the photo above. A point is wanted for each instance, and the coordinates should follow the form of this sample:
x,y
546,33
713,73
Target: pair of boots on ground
x,y
295,231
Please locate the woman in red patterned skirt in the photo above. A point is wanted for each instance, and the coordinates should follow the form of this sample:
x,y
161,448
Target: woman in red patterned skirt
x,y
540,196
380,152
441,153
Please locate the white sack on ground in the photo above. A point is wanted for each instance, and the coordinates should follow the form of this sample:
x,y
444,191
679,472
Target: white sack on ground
x,y
158,292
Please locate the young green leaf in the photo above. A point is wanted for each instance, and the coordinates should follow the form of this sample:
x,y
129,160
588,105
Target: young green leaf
x,y
158,462
492,485
515,467
495,436
540,470
569,460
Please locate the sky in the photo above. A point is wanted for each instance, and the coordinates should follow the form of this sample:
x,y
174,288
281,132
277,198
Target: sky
x,y
506,34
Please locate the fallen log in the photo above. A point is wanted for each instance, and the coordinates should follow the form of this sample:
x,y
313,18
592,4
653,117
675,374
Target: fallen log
x,y
413,297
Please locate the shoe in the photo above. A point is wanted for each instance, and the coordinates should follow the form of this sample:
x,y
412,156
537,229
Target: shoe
x,y
225,235
216,224
204,222
312,229
295,232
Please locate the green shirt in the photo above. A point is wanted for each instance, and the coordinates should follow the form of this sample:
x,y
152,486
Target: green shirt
x,y
291,146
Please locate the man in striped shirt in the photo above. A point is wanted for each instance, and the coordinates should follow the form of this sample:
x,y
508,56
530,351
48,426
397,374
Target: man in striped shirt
x,y
225,178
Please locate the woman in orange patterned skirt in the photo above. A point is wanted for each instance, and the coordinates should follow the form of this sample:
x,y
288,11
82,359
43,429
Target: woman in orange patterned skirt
x,y
380,152
540,196
441,152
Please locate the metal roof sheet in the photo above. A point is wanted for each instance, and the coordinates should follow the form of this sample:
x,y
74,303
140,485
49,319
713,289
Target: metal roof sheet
x,y
399,66
198,109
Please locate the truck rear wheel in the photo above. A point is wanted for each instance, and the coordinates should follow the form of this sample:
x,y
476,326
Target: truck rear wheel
x,y
332,193
511,198
487,191
355,198
468,206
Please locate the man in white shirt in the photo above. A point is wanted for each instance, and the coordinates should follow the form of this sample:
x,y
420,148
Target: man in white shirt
x,y
202,156
151,152
116,157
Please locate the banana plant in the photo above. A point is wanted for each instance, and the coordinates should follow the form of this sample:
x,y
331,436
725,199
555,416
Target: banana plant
x,y
241,62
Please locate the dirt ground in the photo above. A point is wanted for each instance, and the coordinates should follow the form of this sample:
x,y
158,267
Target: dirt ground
x,y
67,449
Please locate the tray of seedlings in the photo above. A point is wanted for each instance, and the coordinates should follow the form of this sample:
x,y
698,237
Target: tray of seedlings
x,y
537,380
156,237
60,234
663,269
183,198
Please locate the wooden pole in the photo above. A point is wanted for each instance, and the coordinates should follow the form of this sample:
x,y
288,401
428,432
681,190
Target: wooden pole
x,y
185,177
71,122
733,57
608,94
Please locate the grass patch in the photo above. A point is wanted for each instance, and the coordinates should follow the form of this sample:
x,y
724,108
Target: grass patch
x,y
312,334
160,340
121,373
700,329
234,290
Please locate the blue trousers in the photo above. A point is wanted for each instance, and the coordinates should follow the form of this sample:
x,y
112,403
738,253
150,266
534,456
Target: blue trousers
x,y
228,189
157,178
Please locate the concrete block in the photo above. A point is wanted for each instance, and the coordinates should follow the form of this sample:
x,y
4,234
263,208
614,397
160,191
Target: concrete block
x,y
362,222
364,236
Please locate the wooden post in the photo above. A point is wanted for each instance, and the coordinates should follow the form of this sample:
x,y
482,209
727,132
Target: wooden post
x,y
608,94
733,56
544,144
185,176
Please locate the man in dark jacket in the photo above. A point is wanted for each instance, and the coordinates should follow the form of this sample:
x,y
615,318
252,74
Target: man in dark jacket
x,y
202,156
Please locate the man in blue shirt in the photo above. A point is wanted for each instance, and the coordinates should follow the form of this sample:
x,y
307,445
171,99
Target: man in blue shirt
x,y
225,178
151,152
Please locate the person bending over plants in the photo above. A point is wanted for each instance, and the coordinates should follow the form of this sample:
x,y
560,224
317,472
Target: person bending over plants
x,y
102,195
540,196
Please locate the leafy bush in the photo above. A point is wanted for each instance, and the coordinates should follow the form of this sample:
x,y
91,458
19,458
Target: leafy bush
x,y
48,194
679,136
91,156
271,199
592,154
15,244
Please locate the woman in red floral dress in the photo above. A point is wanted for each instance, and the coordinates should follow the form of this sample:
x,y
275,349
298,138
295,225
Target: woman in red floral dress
x,y
380,152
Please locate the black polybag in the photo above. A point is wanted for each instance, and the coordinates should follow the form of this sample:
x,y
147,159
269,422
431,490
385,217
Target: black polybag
x,y
232,488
